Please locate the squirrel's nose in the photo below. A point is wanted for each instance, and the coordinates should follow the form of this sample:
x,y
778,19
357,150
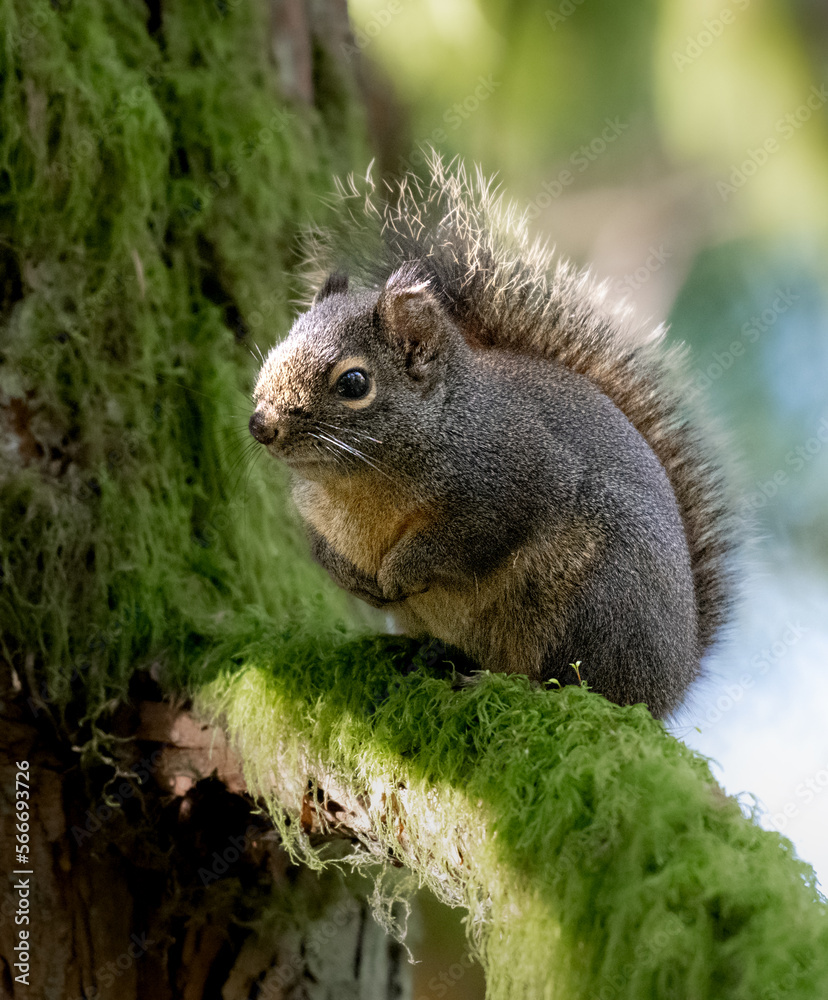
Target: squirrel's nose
x,y
261,429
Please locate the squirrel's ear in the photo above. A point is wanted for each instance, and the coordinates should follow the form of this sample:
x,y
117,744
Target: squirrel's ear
x,y
412,319
335,284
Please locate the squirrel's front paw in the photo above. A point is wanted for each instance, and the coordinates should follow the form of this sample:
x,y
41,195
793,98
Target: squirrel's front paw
x,y
372,597
394,586
361,585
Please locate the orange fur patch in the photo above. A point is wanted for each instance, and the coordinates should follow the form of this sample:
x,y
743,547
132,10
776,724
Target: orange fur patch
x,y
359,517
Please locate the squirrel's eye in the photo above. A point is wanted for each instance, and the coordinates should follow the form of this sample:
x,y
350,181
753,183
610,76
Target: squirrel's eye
x,y
353,384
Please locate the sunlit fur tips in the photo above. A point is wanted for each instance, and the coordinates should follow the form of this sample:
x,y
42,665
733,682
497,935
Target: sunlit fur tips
x,y
457,232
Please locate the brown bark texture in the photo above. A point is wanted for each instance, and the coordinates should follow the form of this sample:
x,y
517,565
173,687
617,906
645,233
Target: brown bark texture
x,y
157,877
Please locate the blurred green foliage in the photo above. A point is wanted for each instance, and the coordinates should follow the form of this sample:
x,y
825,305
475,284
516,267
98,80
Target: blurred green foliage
x,y
681,148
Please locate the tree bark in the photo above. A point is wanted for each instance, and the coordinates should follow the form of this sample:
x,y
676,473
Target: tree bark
x,y
172,885
130,886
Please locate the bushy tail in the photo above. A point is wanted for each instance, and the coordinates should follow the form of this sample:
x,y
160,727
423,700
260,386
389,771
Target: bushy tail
x,y
506,291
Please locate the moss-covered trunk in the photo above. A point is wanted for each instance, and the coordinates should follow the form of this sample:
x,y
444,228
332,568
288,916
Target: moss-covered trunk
x,y
157,161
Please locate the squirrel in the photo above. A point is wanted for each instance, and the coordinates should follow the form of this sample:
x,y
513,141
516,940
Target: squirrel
x,y
482,447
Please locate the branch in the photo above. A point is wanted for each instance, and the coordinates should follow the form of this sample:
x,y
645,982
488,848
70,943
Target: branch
x,y
328,807
591,850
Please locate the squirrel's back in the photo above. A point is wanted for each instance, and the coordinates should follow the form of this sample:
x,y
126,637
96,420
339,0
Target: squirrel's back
x,y
506,293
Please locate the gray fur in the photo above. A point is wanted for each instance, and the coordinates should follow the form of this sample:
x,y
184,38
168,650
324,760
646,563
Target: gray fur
x,y
520,483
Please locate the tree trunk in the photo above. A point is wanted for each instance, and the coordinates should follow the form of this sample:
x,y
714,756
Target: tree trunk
x,y
170,885
120,886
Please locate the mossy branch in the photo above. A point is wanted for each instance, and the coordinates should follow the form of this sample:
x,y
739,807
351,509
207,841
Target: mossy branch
x,y
594,853
193,750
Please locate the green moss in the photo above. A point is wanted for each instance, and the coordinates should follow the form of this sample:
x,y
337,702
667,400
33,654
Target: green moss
x,y
151,192
611,864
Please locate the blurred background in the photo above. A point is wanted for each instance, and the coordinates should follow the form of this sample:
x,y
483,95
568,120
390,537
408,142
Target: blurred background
x,y
680,149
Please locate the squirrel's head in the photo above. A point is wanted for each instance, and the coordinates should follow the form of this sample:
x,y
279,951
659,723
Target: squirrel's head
x,y
361,373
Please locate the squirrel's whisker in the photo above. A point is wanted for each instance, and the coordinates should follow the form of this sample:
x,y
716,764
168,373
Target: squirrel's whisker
x,y
323,450
343,445
353,451
321,447
348,430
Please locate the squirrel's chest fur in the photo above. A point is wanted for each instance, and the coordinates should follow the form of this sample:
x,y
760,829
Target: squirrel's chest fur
x,y
360,518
